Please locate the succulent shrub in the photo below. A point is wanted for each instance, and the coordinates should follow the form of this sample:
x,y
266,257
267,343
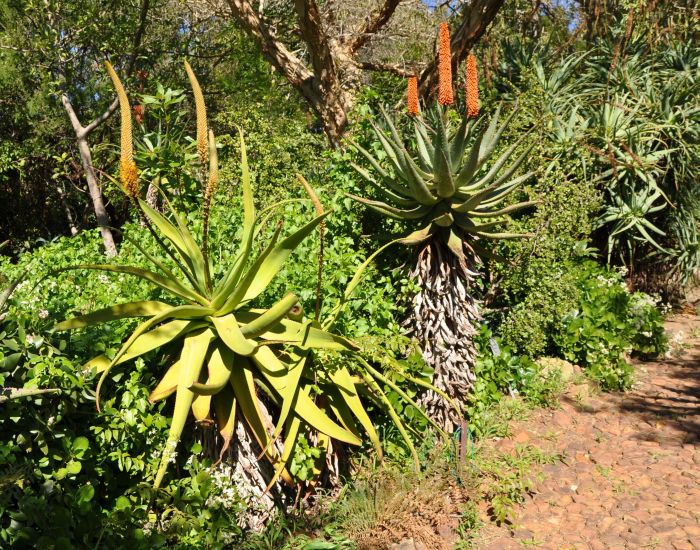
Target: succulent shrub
x,y
225,351
452,189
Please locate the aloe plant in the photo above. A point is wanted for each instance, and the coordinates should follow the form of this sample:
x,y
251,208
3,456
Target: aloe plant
x,y
452,190
227,350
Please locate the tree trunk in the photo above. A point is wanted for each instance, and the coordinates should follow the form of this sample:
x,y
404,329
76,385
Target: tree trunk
x,y
81,134
96,196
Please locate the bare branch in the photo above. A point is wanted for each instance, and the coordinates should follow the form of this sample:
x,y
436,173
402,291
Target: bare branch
x,y
398,70
372,24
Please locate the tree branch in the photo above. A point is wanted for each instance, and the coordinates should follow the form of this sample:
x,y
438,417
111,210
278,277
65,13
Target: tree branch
x,y
314,35
274,51
372,24
388,68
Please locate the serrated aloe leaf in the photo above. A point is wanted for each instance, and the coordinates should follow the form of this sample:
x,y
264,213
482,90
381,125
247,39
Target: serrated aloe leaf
x,y
401,200
230,333
419,236
425,157
479,213
498,165
112,313
171,285
415,213
504,236
370,158
442,162
469,169
194,350
394,155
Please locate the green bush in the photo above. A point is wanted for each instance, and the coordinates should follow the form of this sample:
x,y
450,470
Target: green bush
x,y
608,323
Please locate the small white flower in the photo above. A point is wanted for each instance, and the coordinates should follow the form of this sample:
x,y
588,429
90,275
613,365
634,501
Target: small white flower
x,y
43,314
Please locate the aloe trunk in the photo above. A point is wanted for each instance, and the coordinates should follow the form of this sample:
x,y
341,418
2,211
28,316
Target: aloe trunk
x,y
443,320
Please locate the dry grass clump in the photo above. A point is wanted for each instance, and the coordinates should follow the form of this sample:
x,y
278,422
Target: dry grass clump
x,y
388,506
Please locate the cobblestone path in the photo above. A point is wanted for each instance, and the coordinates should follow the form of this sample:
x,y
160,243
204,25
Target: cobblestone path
x,y
631,474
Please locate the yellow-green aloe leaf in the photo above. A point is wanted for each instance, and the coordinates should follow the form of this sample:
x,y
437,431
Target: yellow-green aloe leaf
x,y
419,236
230,295
243,384
290,441
384,400
280,378
194,252
194,351
169,231
171,285
275,260
219,365
201,405
178,312
167,385
348,392
288,388
230,333
224,404
264,321
146,342
415,213
112,313
305,335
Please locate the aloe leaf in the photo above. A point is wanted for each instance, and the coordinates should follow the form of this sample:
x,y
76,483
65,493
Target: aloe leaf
x,y
504,236
171,285
384,400
261,276
243,384
194,351
469,169
112,313
224,404
492,136
149,341
425,157
500,162
279,377
348,393
394,154
288,387
230,333
401,200
419,236
442,162
491,194
370,158
416,213
167,385
502,211
219,365
272,316
290,440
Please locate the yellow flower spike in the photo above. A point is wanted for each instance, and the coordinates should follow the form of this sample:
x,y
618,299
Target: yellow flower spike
x,y
127,167
213,169
201,110
472,88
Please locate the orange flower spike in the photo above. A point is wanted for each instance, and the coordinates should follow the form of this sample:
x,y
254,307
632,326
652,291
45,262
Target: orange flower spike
x,y
445,94
413,107
472,88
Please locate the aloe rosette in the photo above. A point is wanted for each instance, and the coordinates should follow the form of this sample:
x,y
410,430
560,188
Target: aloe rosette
x,y
452,190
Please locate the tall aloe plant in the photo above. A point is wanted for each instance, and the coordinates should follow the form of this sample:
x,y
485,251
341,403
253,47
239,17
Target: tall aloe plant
x,y
229,352
452,191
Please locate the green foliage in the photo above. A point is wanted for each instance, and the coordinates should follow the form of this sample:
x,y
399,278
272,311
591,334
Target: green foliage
x,y
608,323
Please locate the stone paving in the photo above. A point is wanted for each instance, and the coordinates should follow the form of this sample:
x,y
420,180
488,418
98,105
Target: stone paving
x,y
631,473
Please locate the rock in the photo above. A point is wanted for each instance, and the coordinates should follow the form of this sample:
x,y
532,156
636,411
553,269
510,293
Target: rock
x,y
565,369
406,544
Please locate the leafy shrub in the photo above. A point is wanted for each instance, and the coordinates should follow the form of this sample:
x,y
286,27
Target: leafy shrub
x,y
608,323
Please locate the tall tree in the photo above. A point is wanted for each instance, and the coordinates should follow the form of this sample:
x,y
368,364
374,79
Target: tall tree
x,y
328,69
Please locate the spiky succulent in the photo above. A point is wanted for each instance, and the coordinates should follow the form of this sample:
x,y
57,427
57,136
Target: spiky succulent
x,y
447,186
